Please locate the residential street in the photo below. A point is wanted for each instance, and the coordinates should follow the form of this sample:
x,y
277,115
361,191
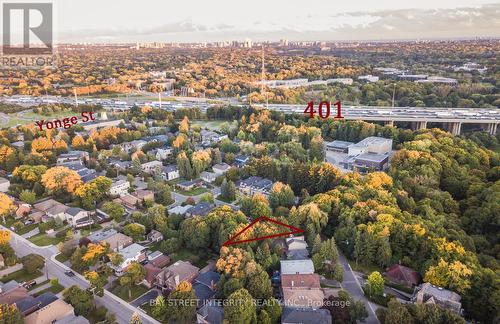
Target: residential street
x,y
120,308
352,285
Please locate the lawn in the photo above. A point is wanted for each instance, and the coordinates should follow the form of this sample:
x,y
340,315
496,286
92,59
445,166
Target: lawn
x,y
44,240
198,259
363,268
55,289
86,231
20,276
148,308
62,258
193,192
123,293
219,197
27,229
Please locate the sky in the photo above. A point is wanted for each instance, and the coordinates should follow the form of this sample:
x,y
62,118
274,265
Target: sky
x,y
218,20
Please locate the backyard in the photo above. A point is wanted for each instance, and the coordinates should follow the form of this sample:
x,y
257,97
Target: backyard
x,y
123,292
20,276
45,240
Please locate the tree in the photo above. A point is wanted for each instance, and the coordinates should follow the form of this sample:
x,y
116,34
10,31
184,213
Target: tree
x,y
317,149
281,195
4,237
240,308
184,166
135,231
184,125
114,210
264,317
9,314
93,191
6,206
135,319
184,309
273,308
134,275
397,313
32,262
375,284
228,190
326,259
81,300
61,180
28,197
97,281
259,284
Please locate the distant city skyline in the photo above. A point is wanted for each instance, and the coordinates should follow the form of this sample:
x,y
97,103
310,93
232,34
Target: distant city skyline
x,y
126,21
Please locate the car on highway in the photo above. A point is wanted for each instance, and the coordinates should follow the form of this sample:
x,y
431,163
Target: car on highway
x,y
69,273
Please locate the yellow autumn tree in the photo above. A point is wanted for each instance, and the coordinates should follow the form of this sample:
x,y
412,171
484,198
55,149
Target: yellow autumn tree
x,y
61,179
4,237
78,142
6,205
184,125
5,151
454,275
94,251
231,262
184,286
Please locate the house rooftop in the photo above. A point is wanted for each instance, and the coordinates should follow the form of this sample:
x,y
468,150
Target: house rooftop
x,y
438,292
307,281
101,235
372,140
306,316
297,266
372,157
73,211
131,251
201,209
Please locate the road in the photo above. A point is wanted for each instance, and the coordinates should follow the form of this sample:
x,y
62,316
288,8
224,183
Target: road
x,y
351,284
55,269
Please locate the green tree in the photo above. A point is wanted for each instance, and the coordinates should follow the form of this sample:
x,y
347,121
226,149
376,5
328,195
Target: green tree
x,y
240,308
114,210
375,284
264,317
28,197
81,300
184,310
135,231
273,308
32,262
228,190
397,313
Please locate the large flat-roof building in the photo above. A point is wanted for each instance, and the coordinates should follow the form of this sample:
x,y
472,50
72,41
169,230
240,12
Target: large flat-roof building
x,y
338,146
372,144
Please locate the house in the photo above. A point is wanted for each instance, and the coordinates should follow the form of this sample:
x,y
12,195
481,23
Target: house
x,y
294,315
119,187
208,176
210,313
99,236
297,266
4,185
171,276
72,156
205,284
163,153
190,185
221,168
72,319
241,160
151,167
142,195
296,248
427,293
252,185
52,208
54,311
118,241
201,209
76,166
300,281
132,253
23,210
208,136
158,259
170,172
120,165
403,275
128,201
132,146
154,236
11,292
36,216
150,276
31,304
298,297
179,210
78,217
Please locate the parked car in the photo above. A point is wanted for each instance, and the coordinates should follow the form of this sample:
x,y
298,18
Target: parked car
x,y
28,284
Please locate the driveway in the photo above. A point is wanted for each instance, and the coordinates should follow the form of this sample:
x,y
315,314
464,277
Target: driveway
x,y
144,298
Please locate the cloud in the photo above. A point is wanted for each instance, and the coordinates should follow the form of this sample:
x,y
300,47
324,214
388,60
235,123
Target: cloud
x,y
483,20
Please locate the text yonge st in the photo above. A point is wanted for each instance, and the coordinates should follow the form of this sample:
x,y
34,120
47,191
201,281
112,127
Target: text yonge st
x,y
255,302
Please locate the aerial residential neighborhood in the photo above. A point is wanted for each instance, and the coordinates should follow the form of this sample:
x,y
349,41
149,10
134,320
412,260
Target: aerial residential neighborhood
x,y
307,163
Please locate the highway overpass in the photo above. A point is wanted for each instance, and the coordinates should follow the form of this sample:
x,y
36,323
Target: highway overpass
x,y
452,119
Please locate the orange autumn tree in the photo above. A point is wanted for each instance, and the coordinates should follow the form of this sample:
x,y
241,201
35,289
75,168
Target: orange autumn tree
x,y
6,205
94,251
4,237
61,179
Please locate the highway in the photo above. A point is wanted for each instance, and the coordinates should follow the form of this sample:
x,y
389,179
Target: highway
x,y
55,269
429,114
